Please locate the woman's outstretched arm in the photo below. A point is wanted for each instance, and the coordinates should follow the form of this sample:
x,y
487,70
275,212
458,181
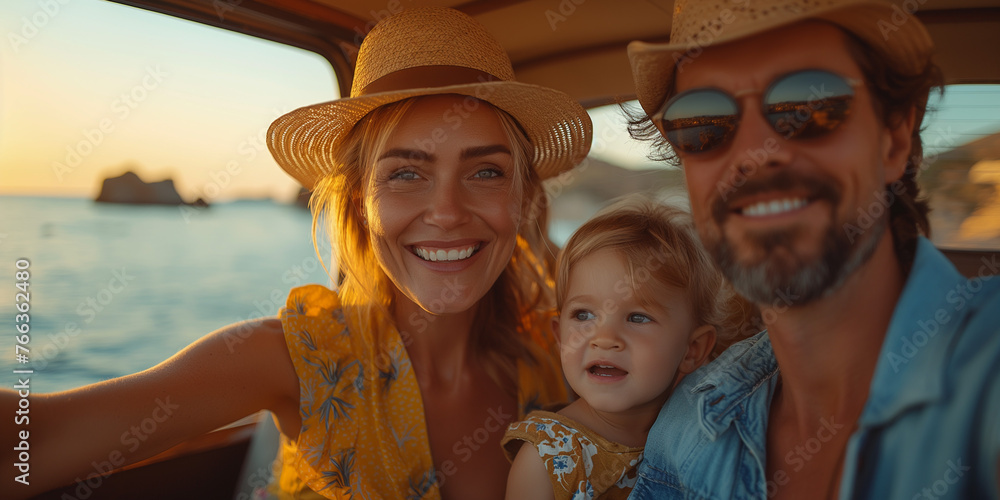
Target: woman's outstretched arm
x,y
224,376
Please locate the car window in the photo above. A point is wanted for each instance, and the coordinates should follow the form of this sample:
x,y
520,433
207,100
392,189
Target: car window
x,y
91,89
961,172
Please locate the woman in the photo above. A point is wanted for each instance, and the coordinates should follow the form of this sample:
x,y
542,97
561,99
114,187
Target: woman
x,y
400,383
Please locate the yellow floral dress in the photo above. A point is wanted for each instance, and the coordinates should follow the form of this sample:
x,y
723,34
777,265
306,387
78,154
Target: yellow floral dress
x,y
581,463
363,432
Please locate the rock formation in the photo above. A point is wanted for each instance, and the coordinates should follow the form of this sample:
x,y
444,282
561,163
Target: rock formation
x,y
129,188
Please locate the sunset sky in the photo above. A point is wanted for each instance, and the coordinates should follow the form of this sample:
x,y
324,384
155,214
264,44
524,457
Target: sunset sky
x,y
90,88
99,86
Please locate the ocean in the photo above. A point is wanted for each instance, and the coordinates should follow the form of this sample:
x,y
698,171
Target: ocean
x,y
116,289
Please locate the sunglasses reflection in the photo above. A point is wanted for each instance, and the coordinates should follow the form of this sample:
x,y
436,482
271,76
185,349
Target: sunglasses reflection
x,y
802,105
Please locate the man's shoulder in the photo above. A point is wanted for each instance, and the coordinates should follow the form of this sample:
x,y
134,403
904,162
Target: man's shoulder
x,y
697,429
934,273
713,391
956,317
747,361
974,302
983,318
938,296
977,341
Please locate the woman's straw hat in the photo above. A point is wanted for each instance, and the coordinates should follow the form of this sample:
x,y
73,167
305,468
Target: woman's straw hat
x,y
698,24
431,51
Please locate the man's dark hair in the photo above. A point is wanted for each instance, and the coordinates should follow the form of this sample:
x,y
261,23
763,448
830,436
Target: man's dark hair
x,y
894,94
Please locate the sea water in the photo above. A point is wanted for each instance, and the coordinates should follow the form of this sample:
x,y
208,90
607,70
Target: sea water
x,y
115,289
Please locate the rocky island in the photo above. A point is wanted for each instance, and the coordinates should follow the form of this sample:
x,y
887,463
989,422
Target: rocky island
x,y
129,188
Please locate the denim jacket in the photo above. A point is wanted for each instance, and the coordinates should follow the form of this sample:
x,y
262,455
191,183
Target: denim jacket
x,y
930,427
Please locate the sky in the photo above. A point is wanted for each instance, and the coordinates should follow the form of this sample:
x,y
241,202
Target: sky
x,y
89,89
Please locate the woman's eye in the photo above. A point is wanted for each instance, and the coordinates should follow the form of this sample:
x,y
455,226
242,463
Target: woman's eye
x,y
404,175
583,315
638,318
489,173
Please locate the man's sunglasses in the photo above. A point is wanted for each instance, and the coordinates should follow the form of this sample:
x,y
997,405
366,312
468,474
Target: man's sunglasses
x,y
799,105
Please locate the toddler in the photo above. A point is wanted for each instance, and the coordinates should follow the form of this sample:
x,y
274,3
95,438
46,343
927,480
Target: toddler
x,y
641,306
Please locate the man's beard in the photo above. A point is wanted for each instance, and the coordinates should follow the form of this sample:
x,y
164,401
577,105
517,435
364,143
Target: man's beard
x,y
782,277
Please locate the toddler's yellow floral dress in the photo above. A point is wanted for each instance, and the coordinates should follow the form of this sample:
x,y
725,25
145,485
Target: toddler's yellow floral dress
x,y
581,464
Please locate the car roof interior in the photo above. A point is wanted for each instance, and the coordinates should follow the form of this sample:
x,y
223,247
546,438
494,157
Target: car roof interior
x,y
577,46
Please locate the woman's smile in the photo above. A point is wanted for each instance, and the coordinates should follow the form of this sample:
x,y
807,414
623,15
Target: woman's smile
x,y
451,254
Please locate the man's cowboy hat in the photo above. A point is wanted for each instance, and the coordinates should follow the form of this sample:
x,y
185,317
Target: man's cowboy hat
x,y
698,24
431,51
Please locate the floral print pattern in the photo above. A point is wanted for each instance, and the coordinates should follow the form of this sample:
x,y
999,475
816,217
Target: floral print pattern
x,y
363,432
581,464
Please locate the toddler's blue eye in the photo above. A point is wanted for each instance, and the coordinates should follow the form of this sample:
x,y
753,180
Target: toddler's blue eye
x,y
583,315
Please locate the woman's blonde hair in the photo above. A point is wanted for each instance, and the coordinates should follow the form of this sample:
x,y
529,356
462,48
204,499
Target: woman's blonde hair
x,y
658,242
523,288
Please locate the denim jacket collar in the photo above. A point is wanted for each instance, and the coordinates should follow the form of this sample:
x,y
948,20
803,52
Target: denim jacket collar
x,y
732,383
910,370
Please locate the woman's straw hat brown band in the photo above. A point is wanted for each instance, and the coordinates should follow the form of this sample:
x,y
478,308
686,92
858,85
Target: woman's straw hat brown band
x,y
431,51
426,76
698,24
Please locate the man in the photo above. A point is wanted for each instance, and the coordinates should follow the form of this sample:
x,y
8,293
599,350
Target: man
x,y
878,374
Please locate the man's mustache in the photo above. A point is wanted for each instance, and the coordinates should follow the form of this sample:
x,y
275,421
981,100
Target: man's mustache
x,y
814,187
